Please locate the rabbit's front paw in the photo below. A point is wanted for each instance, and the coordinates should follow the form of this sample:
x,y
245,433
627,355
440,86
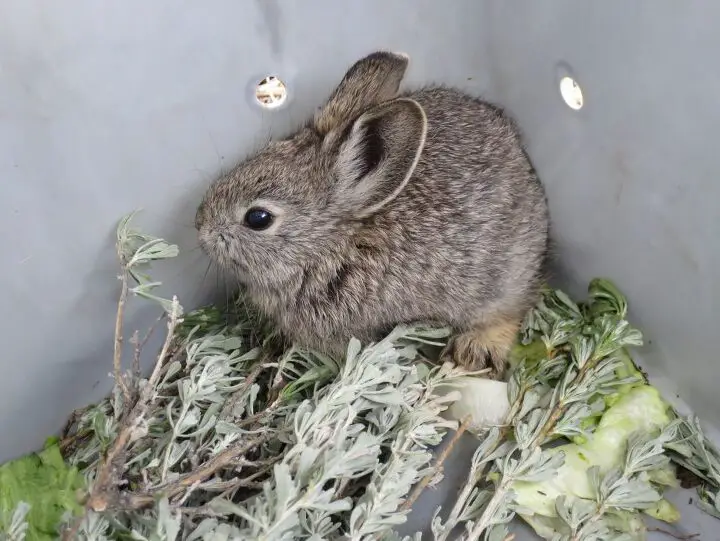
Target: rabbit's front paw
x,y
484,347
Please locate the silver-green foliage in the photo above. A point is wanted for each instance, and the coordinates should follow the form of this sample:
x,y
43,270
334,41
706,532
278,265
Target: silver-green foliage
x,y
326,450
241,440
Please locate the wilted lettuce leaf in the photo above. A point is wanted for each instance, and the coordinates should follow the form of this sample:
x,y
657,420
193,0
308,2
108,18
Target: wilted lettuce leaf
x,y
45,482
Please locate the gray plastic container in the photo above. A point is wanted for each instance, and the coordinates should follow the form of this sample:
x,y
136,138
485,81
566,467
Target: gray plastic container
x,y
110,106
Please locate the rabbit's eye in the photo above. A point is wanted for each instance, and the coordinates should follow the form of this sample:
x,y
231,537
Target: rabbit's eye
x,y
258,218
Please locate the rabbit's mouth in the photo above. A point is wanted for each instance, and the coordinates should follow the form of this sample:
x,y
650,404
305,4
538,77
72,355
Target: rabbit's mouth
x,y
216,244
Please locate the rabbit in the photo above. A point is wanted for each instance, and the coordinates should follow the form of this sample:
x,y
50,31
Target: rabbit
x,y
387,208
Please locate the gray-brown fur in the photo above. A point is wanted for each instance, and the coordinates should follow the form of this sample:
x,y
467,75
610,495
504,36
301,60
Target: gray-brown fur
x,y
355,252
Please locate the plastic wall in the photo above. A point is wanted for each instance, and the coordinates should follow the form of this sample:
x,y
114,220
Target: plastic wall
x,y
110,106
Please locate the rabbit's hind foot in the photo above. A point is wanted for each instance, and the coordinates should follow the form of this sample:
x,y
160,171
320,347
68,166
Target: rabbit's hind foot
x,y
486,346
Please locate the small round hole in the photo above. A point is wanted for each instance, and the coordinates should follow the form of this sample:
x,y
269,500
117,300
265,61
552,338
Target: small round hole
x,y
571,93
271,92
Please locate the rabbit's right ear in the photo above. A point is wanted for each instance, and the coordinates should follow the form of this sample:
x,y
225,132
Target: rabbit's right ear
x,y
370,81
379,155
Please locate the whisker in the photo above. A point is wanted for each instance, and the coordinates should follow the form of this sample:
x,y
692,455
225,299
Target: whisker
x,y
207,270
217,281
227,296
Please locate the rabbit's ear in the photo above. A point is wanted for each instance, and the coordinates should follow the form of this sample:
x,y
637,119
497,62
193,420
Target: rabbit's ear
x,y
371,80
379,154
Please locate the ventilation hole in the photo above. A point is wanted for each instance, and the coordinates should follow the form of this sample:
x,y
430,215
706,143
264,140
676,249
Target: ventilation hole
x,y
271,92
571,93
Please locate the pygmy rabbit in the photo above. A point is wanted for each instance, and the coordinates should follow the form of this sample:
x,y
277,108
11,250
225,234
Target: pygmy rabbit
x,y
387,208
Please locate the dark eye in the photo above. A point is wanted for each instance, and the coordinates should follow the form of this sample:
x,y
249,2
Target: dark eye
x,y
258,218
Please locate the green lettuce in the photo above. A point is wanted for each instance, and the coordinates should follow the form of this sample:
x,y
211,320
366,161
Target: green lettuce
x,y
46,483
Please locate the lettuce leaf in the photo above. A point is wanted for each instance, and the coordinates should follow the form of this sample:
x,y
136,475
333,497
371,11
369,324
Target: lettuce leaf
x,y
44,482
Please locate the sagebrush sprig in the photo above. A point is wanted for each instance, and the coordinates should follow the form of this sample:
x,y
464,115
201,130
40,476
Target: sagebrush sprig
x,y
387,497
338,441
135,251
692,449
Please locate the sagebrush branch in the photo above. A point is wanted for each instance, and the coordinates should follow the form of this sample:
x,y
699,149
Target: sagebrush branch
x,y
175,488
117,353
104,493
438,466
